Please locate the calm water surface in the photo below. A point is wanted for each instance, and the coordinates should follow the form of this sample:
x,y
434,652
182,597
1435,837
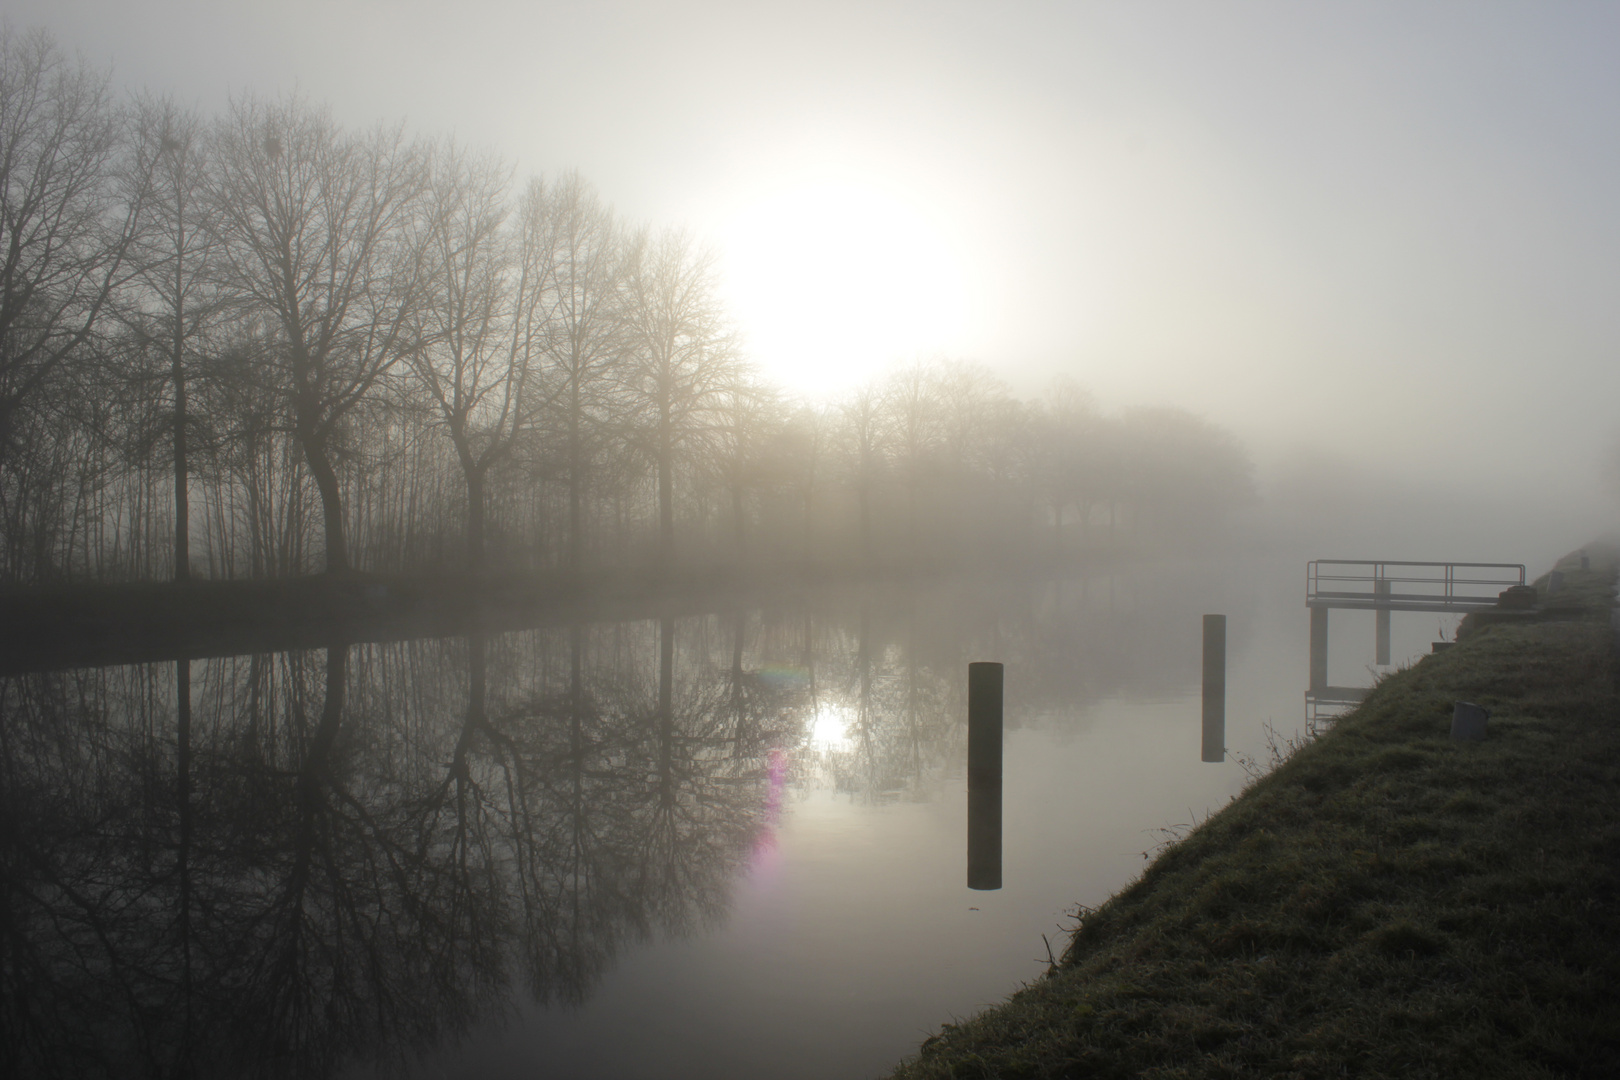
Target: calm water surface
x,y
710,846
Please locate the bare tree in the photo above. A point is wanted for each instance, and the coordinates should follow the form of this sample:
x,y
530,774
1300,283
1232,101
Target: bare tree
x,y
1008,462
966,396
968,400
682,358
865,448
64,236
478,324
744,413
800,449
911,402
316,231
585,339
174,273
1070,460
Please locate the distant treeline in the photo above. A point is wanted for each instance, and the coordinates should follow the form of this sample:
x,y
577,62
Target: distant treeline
x,y
259,344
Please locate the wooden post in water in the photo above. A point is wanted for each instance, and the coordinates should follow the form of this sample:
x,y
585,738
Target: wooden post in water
x,y
1319,647
1214,748
1381,615
984,776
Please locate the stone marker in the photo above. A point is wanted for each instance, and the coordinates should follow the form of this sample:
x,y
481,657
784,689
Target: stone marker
x,y
1468,722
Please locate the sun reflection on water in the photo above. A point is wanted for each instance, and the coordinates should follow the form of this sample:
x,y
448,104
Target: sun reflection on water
x,y
829,729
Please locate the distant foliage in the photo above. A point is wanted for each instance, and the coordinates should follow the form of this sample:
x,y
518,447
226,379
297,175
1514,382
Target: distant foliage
x,y
262,345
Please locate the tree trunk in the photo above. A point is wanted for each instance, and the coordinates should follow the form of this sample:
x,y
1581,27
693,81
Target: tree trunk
x,y
326,482
576,525
475,519
739,526
666,501
182,507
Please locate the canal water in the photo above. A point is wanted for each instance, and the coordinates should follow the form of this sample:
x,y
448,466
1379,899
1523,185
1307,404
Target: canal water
x,y
726,844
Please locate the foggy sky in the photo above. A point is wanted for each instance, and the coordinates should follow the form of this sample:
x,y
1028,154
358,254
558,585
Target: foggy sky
x,y
1373,239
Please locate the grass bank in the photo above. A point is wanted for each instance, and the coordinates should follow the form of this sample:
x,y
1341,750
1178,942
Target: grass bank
x,y
1384,903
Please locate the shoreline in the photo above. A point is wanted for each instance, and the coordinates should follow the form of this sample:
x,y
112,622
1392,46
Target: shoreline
x,y
60,627
1384,902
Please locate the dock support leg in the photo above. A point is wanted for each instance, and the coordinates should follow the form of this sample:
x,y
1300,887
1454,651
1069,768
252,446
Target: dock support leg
x,y
1319,649
1381,591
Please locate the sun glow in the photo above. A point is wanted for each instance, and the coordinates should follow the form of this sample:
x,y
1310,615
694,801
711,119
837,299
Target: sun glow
x,y
833,279
829,728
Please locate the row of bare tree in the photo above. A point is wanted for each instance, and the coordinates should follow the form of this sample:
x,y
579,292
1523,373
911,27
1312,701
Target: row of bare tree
x,y
261,344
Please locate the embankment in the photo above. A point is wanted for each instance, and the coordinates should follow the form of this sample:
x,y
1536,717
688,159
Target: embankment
x,y
1384,903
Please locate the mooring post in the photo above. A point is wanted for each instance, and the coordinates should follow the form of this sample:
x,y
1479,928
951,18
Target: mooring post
x,y
1319,647
1381,596
1214,688
984,775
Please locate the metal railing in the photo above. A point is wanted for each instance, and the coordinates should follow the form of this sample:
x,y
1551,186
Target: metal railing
x,y
1423,586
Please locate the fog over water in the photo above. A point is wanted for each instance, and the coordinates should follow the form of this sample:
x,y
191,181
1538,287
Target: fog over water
x,y
1376,241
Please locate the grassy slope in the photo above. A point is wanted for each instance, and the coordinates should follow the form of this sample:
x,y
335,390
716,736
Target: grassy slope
x,y
1386,903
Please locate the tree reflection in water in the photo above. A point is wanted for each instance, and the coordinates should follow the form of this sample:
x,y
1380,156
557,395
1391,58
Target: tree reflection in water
x,y
327,853
271,865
